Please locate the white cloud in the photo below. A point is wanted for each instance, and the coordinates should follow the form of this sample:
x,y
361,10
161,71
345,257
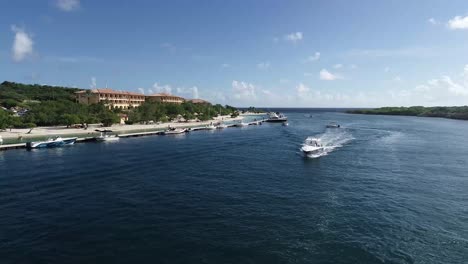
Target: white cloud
x,y
397,79
244,91
263,65
162,88
458,22
328,76
191,92
314,57
294,37
387,69
68,5
225,65
353,66
433,21
302,89
141,90
93,83
338,66
22,45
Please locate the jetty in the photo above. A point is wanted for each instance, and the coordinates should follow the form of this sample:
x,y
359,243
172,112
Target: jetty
x,y
134,134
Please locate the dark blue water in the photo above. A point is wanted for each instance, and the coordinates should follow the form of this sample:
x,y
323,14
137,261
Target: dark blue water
x,y
392,190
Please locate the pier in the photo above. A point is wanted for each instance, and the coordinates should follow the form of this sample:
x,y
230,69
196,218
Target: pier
x,y
135,134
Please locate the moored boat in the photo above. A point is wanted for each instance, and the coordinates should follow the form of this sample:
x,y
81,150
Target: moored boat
x,y
276,117
210,127
105,137
240,124
52,143
221,126
174,131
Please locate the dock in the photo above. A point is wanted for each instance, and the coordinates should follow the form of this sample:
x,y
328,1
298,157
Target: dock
x,y
127,135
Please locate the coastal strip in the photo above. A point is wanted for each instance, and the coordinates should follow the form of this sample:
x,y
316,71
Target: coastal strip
x,y
134,134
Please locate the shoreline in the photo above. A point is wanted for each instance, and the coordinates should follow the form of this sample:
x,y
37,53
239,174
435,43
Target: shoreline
x,y
21,135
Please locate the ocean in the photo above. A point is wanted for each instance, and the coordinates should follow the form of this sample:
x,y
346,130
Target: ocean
x,y
389,189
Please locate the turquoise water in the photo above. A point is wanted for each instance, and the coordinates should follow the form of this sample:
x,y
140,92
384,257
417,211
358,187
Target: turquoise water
x,y
389,190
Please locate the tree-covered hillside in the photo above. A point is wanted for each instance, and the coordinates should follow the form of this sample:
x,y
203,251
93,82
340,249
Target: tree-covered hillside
x,y
25,105
454,112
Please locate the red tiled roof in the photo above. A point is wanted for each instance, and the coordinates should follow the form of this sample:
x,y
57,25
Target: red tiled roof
x,y
164,95
110,91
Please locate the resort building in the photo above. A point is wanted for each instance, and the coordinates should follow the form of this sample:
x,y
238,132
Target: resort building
x,y
118,99
165,98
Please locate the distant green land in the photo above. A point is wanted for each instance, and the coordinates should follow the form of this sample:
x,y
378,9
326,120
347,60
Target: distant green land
x,y
453,112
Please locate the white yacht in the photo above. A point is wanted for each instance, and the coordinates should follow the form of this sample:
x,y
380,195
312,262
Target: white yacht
x,y
106,137
221,126
174,131
210,127
276,117
240,124
312,146
52,142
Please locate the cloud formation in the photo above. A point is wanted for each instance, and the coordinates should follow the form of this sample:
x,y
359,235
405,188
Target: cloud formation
x,y
314,57
263,65
22,45
433,21
294,37
244,91
93,83
458,22
328,76
67,5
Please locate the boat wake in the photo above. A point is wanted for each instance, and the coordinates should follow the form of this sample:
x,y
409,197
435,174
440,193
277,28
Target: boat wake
x,y
331,140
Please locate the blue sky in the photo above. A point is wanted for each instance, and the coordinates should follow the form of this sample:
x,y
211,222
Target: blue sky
x,y
264,53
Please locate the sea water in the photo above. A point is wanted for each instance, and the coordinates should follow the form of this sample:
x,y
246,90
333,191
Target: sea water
x,y
388,190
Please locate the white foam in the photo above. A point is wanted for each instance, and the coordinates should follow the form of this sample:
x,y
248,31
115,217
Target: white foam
x,y
331,140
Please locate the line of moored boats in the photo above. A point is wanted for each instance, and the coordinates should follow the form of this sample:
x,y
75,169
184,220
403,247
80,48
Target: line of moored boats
x,y
106,135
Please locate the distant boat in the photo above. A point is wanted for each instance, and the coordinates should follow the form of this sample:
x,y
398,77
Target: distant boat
x,y
174,131
210,127
221,126
52,143
240,124
333,125
276,117
312,146
106,137
1,140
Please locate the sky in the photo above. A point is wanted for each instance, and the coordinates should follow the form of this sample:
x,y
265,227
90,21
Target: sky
x,y
263,53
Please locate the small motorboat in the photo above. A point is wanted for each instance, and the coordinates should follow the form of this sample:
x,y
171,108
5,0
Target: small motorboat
x,y
276,117
174,131
106,137
210,127
52,143
333,125
221,126
240,124
312,146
